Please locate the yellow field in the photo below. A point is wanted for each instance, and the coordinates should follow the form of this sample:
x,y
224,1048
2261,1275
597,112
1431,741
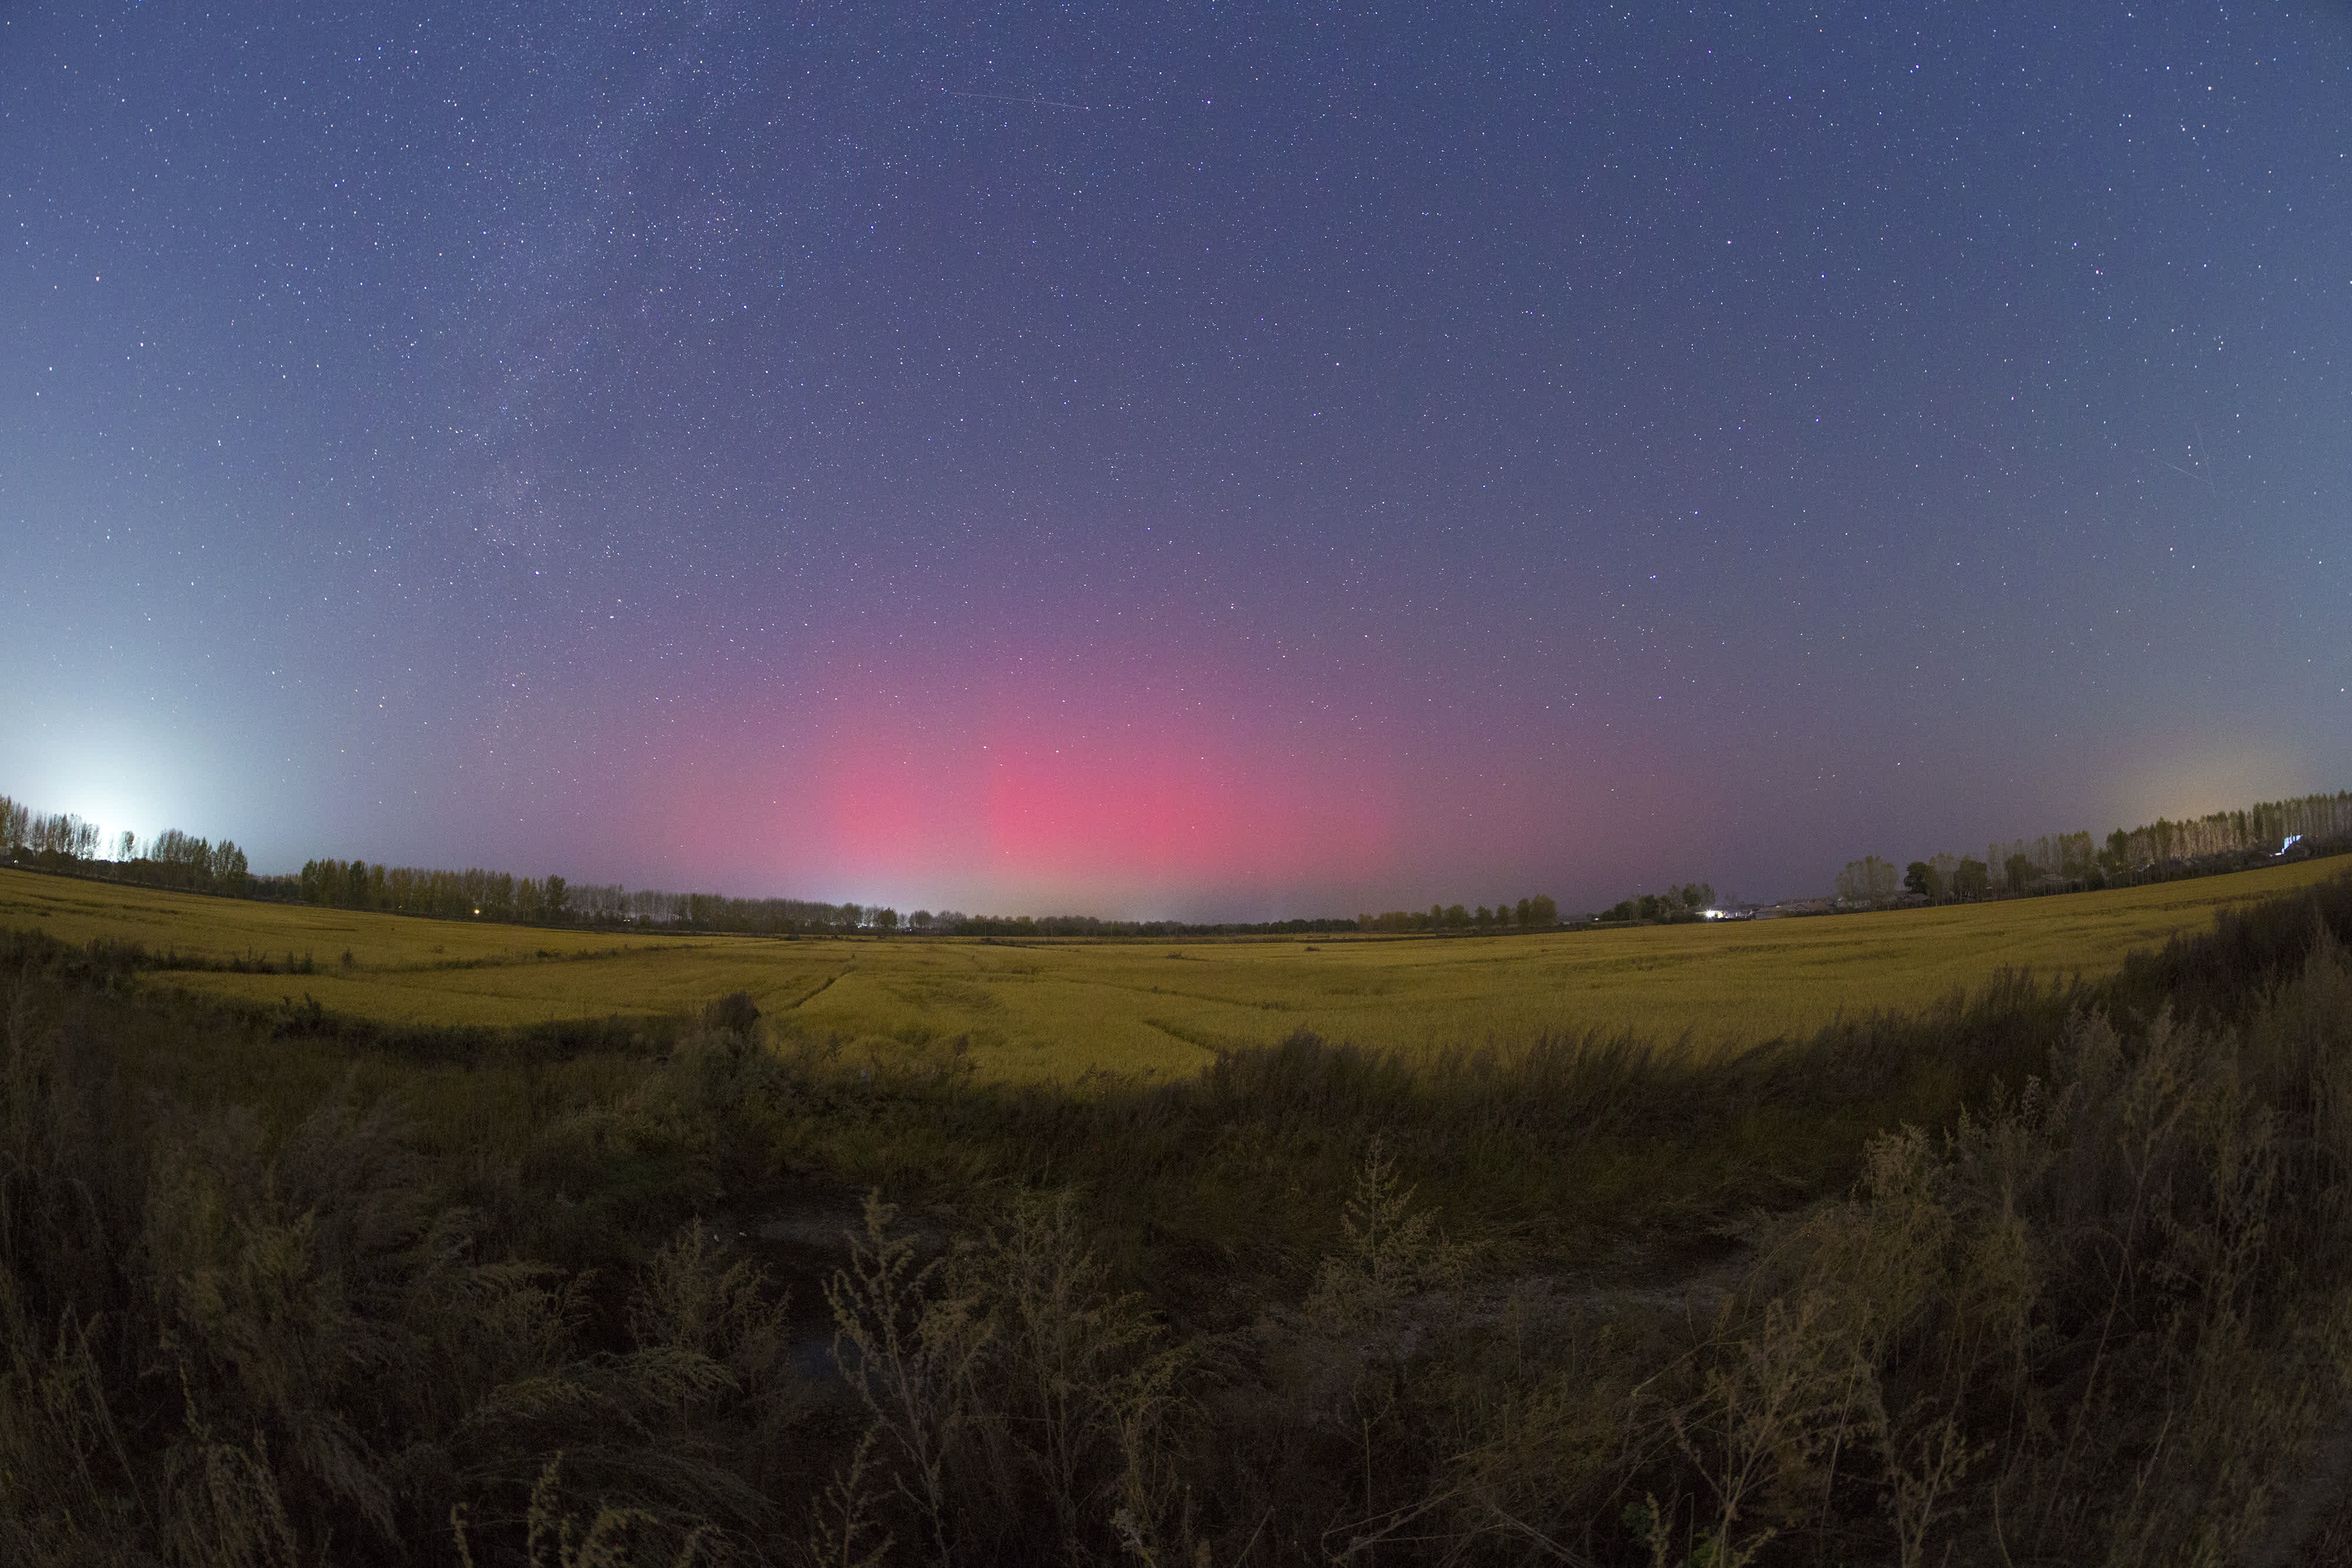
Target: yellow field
x,y
1061,1009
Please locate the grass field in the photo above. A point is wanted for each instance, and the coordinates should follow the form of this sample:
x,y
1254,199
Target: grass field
x,y
254,1267
1053,1010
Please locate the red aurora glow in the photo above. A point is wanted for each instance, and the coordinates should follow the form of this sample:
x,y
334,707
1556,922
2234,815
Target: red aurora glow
x,y
1089,791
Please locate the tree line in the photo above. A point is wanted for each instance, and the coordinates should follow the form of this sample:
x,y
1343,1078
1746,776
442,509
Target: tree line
x,y
475,894
1676,906
59,837
2160,851
953,922
1535,913
174,859
65,841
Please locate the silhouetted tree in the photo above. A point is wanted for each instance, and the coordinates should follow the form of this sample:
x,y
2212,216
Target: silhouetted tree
x,y
1868,880
1971,880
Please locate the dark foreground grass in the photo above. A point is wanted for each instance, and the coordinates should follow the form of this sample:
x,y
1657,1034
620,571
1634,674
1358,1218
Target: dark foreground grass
x,y
2039,1275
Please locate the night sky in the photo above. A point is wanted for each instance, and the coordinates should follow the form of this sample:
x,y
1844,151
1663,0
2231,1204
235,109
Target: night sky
x,y
1172,460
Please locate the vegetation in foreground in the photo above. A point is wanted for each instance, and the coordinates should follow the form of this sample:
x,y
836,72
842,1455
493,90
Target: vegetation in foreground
x,y
2053,1275
1067,1012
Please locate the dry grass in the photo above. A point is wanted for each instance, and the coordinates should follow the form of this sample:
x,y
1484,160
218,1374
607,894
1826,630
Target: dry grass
x,y
2054,1277
1061,1010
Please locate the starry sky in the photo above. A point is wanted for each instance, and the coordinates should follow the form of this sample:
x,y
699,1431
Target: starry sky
x,y
1214,461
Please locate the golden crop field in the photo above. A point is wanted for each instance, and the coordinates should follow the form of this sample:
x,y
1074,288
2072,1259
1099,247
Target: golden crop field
x,y
1061,1009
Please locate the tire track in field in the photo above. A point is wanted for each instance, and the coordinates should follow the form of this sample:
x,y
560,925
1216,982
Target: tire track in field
x,y
810,996
1184,1036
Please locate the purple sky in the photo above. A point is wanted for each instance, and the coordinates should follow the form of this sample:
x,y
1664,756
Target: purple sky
x,y
1203,461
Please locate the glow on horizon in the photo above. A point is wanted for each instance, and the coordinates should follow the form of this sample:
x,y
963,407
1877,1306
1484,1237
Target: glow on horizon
x,y
1068,797
116,778
2193,778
